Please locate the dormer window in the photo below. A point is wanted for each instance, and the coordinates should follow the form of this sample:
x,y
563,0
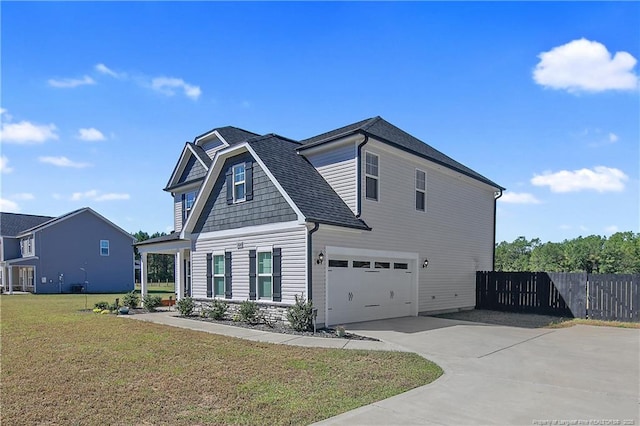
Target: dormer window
x,y
239,183
188,200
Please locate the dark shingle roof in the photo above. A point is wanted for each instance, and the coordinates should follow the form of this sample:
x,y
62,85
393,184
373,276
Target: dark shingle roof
x,y
12,224
315,198
174,236
201,154
386,132
233,135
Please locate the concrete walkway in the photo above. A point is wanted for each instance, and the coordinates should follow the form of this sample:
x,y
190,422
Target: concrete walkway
x,y
171,318
500,375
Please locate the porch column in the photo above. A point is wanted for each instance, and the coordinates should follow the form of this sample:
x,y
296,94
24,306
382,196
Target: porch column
x,y
10,269
143,277
179,274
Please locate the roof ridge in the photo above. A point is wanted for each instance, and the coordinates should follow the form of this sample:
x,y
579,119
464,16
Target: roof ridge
x,y
27,214
371,122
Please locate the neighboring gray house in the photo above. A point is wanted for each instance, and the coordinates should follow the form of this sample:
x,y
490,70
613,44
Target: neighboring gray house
x,y
367,221
78,251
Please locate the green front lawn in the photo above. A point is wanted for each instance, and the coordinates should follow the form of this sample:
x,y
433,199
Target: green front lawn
x,y
63,366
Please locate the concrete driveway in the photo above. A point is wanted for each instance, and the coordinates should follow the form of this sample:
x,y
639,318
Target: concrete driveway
x,y
580,375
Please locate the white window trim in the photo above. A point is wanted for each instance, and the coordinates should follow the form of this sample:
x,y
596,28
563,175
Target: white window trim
x,y
108,248
258,274
187,211
242,182
214,275
366,175
424,191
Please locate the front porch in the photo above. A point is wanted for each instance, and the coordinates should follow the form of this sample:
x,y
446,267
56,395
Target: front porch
x,y
17,277
169,245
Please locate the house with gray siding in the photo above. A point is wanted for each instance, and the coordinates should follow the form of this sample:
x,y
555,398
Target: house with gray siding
x,y
80,251
366,221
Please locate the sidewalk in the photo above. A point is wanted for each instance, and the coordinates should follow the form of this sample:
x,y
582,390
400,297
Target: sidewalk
x,y
171,318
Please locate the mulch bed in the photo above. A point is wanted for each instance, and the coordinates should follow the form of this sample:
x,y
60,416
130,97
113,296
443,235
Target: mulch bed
x,y
283,329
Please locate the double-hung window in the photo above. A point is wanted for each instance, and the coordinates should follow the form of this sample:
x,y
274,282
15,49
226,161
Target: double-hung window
x,y
187,204
239,187
265,275
104,247
218,275
371,176
421,190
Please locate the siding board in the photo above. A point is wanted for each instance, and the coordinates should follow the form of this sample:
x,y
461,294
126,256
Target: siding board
x,y
338,168
455,233
292,242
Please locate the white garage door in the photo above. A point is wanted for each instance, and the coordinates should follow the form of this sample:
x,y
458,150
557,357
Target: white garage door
x,y
361,288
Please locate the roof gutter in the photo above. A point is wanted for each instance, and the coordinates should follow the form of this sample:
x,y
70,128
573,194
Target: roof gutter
x,y
359,177
310,260
496,196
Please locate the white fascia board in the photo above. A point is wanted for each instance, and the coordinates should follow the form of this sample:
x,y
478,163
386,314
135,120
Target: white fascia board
x,y
204,138
165,247
197,157
328,146
351,251
301,217
250,230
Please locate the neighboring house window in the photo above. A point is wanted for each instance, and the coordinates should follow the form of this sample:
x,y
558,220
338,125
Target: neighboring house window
x,y
239,183
29,245
371,176
218,275
265,277
421,190
104,247
188,200
26,246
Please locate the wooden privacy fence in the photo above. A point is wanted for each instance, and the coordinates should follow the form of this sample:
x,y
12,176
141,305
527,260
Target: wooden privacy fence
x,y
597,296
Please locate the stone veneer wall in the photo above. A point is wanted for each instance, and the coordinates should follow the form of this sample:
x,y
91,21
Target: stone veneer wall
x,y
272,313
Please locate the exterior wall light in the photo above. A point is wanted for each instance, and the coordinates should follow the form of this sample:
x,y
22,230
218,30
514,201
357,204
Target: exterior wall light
x,y
320,258
425,263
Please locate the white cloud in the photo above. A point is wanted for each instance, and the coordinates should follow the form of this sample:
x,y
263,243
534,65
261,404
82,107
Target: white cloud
x,y
103,69
4,165
9,206
583,65
95,195
91,134
69,83
26,132
600,179
168,86
111,196
62,161
611,229
23,196
613,138
4,114
519,198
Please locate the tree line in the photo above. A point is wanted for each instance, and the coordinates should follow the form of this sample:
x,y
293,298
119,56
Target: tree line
x,y
160,267
618,254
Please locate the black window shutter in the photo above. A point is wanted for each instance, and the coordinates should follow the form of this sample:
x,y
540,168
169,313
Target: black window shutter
x,y
184,209
230,186
277,275
227,275
252,275
248,180
209,276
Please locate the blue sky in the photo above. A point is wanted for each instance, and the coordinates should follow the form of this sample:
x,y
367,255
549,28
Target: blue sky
x,y
98,98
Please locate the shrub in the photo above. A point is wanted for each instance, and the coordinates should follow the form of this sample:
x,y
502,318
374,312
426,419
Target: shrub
x,y
300,315
340,331
248,312
131,299
185,306
114,307
151,302
101,305
218,310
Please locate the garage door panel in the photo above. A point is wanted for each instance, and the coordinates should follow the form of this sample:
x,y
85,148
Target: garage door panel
x,y
369,288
